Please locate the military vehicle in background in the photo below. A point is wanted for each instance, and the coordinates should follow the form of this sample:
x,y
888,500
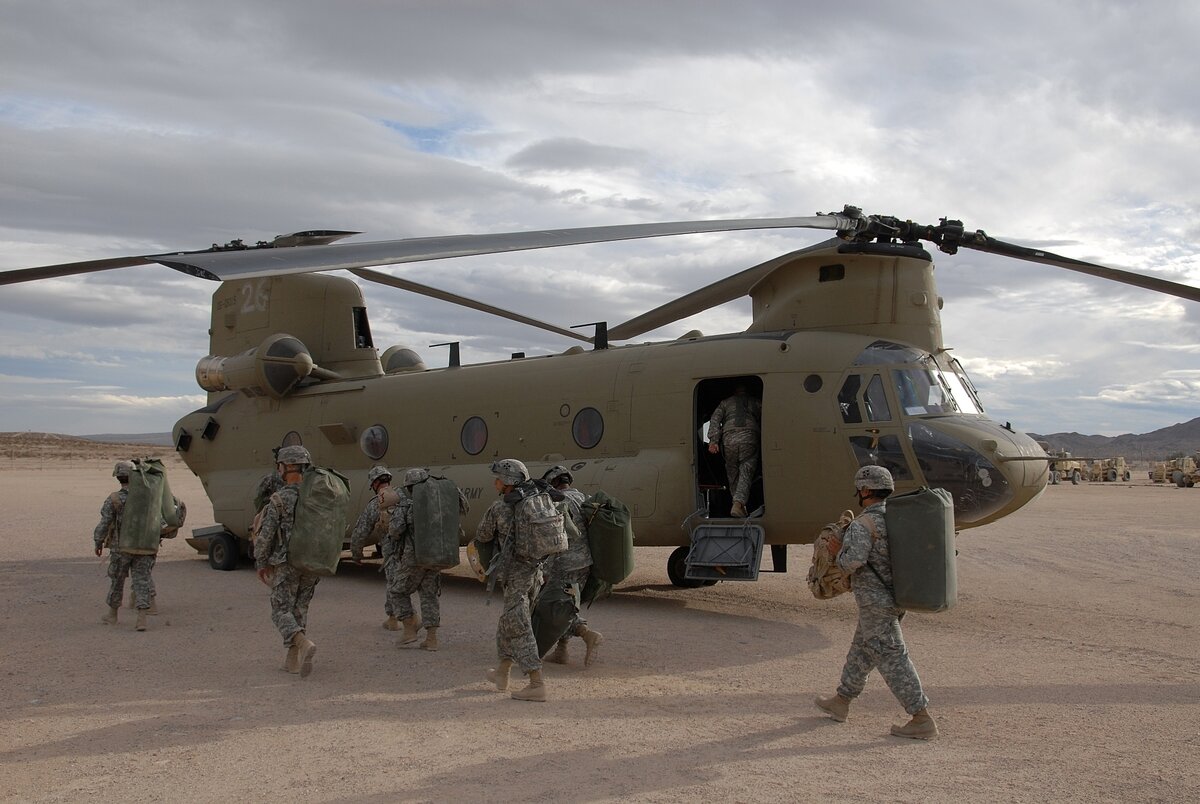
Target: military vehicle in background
x,y
1173,470
1064,467
1109,470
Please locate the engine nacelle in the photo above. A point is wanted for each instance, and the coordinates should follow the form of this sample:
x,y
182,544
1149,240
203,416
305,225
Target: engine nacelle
x,y
398,359
270,369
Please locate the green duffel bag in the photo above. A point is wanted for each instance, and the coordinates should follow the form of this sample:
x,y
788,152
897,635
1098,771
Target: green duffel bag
x,y
553,612
148,506
610,537
319,527
435,509
920,534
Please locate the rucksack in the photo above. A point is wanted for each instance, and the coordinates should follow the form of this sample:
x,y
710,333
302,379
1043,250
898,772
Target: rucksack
x,y
610,537
920,534
388,498
555,609
538,529
436,514
319,524
825,578
148,505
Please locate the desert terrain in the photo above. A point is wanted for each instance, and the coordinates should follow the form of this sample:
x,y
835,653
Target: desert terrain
x,y
1069,671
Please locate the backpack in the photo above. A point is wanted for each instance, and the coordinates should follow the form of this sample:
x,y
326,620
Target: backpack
x,y
388,498
920,534
436,514
825,578
538,529
610,537
319,525
148,505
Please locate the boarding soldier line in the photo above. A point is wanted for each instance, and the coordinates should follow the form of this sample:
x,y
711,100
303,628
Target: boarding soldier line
x,y
533,543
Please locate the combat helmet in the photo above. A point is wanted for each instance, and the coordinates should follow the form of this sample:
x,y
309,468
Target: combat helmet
x,y
874,478
294,456
378,473
414,476
556,473
123,469
510,470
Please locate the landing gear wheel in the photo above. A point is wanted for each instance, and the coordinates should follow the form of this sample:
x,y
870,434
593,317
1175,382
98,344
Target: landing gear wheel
x,y
677,569
223,552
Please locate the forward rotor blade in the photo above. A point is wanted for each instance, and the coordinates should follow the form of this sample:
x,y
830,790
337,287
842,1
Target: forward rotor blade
x,y
982,242
346,256
70,269
425,290
723,290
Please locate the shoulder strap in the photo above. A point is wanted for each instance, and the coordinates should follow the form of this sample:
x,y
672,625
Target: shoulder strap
x,y
868,522
115,499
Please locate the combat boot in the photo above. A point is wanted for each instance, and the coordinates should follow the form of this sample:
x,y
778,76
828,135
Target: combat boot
x,y
141,621
110,616
391,623
411,628
559,654
921,727
305,650
535,691
292,662
837,706
738,509
430,642
592,639
499,675
153,610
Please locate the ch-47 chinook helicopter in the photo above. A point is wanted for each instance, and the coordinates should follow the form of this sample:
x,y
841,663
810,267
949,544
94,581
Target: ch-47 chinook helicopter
x,y
845,351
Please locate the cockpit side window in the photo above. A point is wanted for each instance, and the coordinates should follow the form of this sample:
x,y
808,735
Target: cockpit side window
x,y
848,400
883,451
878,409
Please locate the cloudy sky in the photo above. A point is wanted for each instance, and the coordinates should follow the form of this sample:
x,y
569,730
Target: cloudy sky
x,y
140,127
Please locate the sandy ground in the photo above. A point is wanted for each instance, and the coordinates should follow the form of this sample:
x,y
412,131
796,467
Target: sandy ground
x,y
1068,672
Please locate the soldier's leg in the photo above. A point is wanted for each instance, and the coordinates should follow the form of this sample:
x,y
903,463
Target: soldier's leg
x,y
897,669
429,588
514,632
118,568
284,587
306,586
140,568
747,469
391,595
859,659
579,578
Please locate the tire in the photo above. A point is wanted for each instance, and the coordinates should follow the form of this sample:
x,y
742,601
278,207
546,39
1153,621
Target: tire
x,y
1128,476
1075,477
1111,475
1177,476
677,569
223,552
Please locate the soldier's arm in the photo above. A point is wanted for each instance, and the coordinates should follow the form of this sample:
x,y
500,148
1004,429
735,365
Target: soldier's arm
x,y
856,545
106,520
264,545
363,527
487,530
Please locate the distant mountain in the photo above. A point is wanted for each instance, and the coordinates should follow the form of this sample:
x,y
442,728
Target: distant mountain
x,y
1156,446
154,439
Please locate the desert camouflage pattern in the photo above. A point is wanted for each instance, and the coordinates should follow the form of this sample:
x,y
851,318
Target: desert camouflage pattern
x,y
735,425
291,593
878,643
124,565
409,578
577,556
521,580
291,589
268,485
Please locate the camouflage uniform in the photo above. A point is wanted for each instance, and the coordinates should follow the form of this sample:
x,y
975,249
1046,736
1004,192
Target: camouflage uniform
x,y
409,578
268,485
573,565
365,527
735,425
878,643
122,565
291,589
521,579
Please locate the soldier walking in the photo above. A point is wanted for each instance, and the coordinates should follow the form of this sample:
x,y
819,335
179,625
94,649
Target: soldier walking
x,y
122,564
515,642
878,642
572,566
291,589
374,522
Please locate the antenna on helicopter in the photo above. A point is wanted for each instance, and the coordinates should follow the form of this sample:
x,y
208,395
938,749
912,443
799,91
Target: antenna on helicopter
x,y
600,339
455,362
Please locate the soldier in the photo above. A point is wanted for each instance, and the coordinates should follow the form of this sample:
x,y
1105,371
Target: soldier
x,y
409,578
877,642
291,589
121,564
515,642
374,521
734,428
572,566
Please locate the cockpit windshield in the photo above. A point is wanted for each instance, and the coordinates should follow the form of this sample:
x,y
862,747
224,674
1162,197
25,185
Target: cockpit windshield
x,y
924,385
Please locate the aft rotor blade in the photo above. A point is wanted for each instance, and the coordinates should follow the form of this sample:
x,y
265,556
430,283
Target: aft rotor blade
x,y
982,242
346,256
70,269
719,292
453,298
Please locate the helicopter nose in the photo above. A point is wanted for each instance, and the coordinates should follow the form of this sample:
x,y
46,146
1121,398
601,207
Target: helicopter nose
x,y
981,464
